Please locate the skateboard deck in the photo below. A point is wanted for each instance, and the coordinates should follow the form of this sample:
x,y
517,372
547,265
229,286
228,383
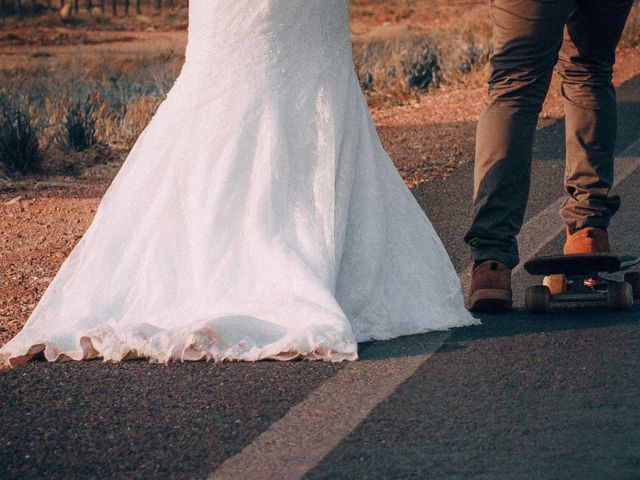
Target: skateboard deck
x,y
580,281
580,264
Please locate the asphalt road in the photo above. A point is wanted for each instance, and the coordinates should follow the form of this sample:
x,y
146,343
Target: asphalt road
x,y
519,396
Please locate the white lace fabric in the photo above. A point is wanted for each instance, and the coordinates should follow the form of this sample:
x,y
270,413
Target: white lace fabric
x,y
256,217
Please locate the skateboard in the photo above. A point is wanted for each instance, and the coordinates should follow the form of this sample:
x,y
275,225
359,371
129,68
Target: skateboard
x,y
583,281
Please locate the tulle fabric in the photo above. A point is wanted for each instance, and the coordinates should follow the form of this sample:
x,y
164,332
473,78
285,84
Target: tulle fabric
x,y
256,217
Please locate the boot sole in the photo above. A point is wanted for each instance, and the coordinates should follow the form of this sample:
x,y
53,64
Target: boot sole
x,y
489,300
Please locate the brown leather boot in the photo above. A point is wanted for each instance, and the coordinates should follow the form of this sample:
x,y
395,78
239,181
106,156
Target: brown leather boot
x,y
585,240
490,287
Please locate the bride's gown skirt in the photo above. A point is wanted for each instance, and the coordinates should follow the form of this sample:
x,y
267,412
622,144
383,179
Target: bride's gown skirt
x,y
256,217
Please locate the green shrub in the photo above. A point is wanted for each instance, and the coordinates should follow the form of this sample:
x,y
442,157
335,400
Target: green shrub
x,y
19,146
424,70
79,123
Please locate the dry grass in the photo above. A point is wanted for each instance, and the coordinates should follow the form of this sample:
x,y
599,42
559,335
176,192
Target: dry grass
x,y
78,102
402,69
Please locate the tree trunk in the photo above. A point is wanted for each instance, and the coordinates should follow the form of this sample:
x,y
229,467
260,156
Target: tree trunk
x,y
126,7
114,7
138,7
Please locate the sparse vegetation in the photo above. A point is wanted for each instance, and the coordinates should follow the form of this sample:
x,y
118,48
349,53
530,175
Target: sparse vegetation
x,y
105,99
395,71
81,103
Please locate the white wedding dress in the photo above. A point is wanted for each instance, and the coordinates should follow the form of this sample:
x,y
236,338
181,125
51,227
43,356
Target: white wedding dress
x,y
257,216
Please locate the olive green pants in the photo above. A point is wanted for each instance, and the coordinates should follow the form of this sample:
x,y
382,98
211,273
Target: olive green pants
x,y
529,40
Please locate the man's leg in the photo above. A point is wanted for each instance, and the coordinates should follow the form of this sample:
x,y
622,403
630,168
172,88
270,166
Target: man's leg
x,y
585,66
527,36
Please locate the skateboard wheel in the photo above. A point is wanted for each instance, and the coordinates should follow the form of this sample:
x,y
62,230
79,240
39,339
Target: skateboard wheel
x,y
557,284
633,279
537,299
619,296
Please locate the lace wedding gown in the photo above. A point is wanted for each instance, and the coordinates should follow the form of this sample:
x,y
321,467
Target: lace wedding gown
x,y
257,216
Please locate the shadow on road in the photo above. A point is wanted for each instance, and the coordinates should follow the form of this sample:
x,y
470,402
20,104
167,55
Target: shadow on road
x,y
520,322
512,324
